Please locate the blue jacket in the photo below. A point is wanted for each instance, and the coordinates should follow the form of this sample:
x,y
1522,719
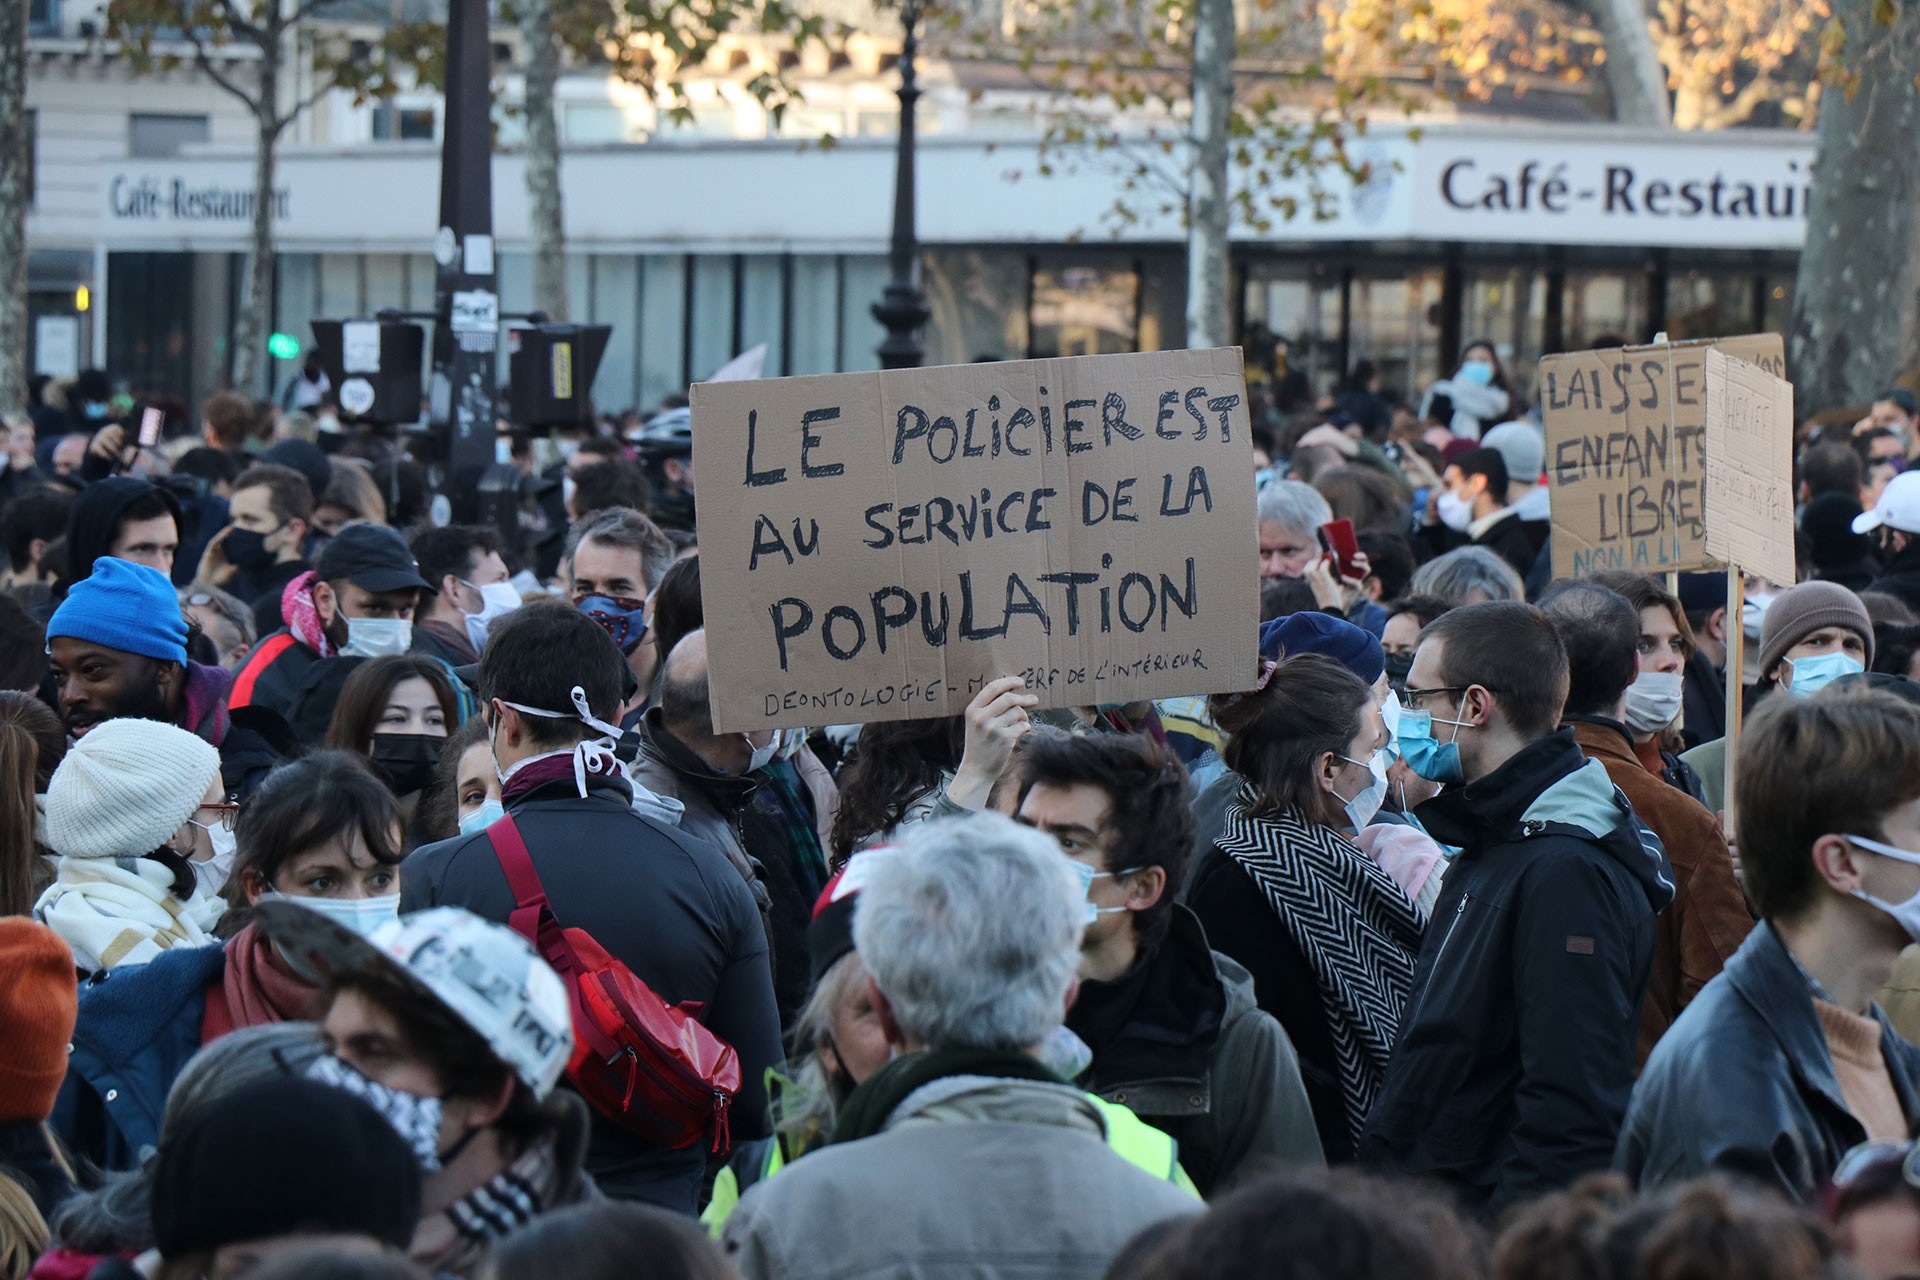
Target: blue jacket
x,y
137,1028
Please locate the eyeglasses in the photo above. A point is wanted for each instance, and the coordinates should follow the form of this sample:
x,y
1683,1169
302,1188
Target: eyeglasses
x,y
1415,696
220,607
225,815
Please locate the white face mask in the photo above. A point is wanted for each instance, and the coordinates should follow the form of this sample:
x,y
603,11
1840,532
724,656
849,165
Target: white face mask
x,y
1390,711
1654,700
377,637
497,599
212,874
1906,914
362,915
762,756
1367,801
1455,512
1753,613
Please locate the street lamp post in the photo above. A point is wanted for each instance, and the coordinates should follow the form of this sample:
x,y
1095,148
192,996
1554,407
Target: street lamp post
x,y
466,299
903,307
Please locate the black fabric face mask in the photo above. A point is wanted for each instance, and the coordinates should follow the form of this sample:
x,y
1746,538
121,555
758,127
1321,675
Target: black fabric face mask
x,y
406,761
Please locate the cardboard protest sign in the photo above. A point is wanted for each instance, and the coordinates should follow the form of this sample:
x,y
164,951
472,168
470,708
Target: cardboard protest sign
x,y
877,546
1626,452
1749,494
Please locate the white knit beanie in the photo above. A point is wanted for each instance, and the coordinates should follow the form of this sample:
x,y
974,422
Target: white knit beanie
x,y
125,788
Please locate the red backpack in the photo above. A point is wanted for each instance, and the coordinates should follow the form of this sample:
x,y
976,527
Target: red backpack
x,y
649,1067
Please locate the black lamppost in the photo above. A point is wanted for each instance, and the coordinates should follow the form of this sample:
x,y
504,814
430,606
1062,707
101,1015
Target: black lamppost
x,y
466,299
902,307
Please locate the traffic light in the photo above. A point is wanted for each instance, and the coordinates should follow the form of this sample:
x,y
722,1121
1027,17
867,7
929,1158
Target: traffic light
x,y
374,366
550,374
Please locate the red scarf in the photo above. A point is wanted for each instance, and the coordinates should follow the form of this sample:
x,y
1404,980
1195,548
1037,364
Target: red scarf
x,y
255,991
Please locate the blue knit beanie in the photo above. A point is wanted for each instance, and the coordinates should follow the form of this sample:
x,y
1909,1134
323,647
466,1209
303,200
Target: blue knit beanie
x,y
1312,631
124,606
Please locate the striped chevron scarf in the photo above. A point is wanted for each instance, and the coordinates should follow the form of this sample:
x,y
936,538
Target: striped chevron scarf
x,y
1351,922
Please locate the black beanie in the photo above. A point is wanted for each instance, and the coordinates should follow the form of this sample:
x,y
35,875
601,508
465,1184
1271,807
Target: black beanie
x,y
279,1158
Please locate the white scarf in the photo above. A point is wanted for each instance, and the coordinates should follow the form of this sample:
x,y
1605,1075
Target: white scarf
x,y
118,911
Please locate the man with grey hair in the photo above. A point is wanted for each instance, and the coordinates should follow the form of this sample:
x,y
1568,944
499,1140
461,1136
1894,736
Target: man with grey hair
x,y
614,560
965,1156
1468,575
1291,514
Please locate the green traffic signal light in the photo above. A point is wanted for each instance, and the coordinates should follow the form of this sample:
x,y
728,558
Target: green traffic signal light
x,y
283,346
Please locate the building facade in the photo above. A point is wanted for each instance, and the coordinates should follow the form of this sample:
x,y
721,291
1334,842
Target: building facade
x,y
699,244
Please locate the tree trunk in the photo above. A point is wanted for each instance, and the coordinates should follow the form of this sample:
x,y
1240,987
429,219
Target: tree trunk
x,y
250,369
1209,210
1854,301
1634,75
14,180
543,160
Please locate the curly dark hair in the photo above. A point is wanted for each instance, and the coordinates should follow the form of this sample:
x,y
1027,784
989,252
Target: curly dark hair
x,y
893,762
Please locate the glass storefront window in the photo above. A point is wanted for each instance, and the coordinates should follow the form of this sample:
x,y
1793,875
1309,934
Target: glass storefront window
x,y
1702,304
1779,304
978,299
1506,306
1603,309
1298,308
1395,325
1085,310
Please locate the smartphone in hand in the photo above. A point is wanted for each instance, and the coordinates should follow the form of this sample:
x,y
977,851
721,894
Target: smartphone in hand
x,y
151,420
1337,539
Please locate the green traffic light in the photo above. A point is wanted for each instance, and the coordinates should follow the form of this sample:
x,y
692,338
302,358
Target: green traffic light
x,y
283,346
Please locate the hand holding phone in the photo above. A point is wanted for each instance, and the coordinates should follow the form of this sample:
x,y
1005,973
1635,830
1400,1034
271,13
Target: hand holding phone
x,y
1338,540
151,420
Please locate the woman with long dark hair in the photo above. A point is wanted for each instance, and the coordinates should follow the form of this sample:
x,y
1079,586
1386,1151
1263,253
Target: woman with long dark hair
x,y
898,771
396,712
1329,937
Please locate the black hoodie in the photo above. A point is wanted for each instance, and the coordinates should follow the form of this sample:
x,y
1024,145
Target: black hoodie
x,y
1516,1053
96,515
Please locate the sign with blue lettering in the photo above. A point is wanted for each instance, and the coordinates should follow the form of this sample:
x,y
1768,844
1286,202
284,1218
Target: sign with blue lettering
x,y
877,546
1627,452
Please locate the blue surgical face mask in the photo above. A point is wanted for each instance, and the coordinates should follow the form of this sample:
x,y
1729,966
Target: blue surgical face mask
x,y
362,915
1477,372
480,819
1087,876
1435,761
1811,675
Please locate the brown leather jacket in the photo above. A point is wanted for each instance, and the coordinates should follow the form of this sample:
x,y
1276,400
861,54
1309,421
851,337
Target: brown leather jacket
x,y
1709,918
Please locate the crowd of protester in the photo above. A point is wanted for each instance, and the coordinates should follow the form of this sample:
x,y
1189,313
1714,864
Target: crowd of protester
x,y
377,898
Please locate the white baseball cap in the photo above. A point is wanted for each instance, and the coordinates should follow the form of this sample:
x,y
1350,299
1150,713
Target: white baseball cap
x,y
1898,508
483,973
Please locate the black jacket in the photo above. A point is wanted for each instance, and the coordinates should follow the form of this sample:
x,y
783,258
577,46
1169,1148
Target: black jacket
x,y
1516,1053
1508,538
1240,923
1743,1083
670,907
